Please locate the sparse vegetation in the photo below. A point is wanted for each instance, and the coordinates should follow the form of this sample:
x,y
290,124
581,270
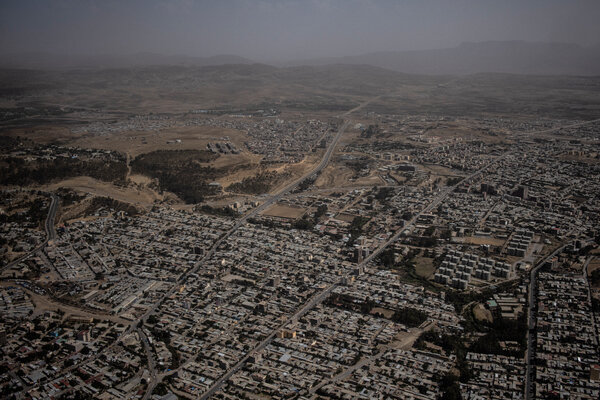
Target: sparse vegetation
x,y
111,204
258,184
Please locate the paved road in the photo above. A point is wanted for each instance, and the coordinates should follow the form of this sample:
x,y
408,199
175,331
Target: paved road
x,y
589,296
321,296
273,199
531,317
241,221
49,224
404,343
151,364
312,174
436,201
50,233
316,299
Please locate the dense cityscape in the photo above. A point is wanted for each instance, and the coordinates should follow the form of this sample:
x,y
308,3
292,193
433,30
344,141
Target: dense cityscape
x,y
420,287
299,200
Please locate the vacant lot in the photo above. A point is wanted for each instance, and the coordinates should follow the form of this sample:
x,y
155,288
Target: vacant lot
x,y
345,217
334,176
424,267
478,240
482,314
143,196
340,175
284,211
383,311
438,170
136,143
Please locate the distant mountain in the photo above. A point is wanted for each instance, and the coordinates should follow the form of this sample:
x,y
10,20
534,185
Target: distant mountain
x,y
516,57
58,61
334,88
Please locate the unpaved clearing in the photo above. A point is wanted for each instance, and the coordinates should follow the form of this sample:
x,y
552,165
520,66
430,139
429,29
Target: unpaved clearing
x,y
383,311
295,170
438,170
45,303
284,211
140,179
334,176
594,265
371,180
345,217
136,142
424,267
143,196
482,314
338,175
479,240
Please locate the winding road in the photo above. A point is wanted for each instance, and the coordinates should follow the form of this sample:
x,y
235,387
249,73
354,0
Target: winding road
x,y
50,233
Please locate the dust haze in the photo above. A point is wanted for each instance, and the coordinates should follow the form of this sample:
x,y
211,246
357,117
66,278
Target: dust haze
x,y
287,31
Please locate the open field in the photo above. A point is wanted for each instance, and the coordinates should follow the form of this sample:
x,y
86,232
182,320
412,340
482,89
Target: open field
x,y
481,313
339,175
334,176
498,94
373,179
478,240
345,217
42,133
383,311
284,211
142,196
439,171
135,143
424,267
181,89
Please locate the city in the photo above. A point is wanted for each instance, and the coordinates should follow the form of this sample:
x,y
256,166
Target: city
x,y
320,220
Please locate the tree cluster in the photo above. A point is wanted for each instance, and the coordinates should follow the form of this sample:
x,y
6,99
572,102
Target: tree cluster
x,y
180,172
20,172
258,184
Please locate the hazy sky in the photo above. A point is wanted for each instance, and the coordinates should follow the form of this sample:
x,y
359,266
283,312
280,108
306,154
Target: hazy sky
x,y
286,29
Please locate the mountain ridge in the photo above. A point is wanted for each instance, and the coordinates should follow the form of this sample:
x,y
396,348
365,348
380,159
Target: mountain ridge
x,y
42,60
515,57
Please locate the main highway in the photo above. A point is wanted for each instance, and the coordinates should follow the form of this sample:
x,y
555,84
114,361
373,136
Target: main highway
x,y
322,295
434,203
531,318
315,300
310,175
241,221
